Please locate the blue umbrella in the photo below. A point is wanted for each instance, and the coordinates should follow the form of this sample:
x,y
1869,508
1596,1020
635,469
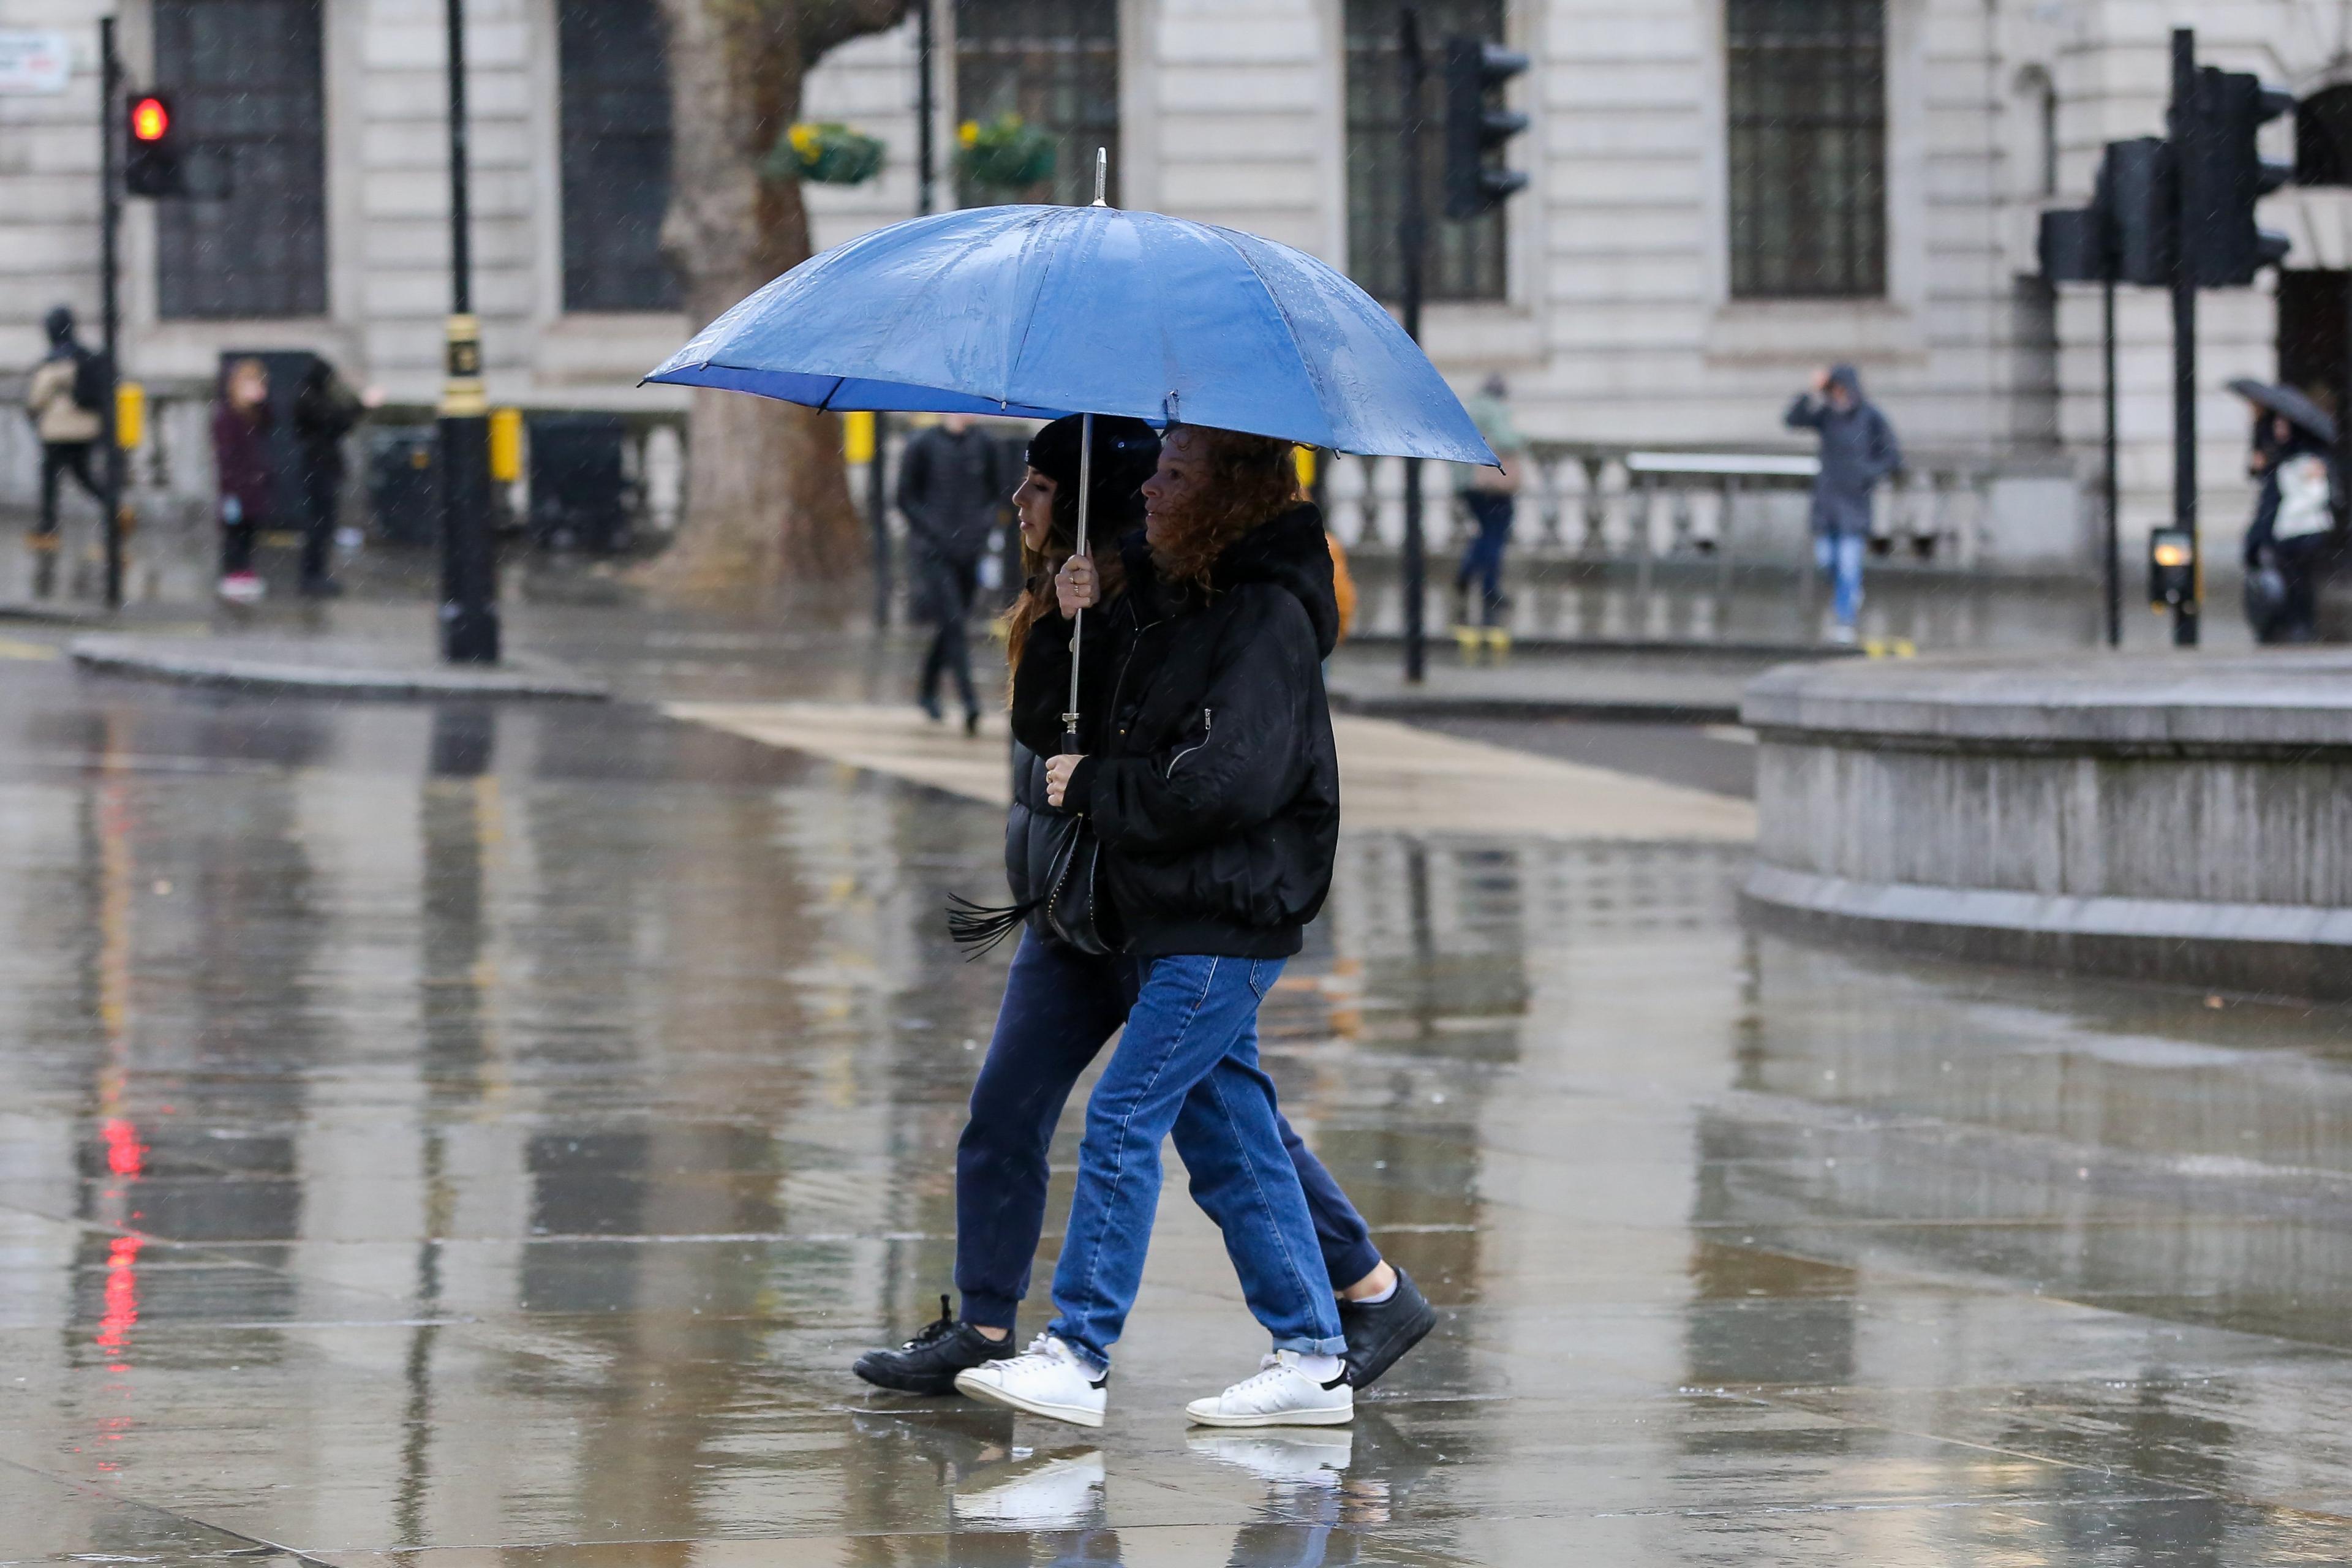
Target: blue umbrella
x,y
1041,312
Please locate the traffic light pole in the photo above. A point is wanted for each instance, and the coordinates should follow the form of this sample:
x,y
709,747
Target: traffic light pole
x,y
469,610
2187,133
1412,246
110,272
2111,492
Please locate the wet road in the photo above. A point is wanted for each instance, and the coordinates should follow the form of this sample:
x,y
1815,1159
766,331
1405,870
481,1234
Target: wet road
x,y
464,1136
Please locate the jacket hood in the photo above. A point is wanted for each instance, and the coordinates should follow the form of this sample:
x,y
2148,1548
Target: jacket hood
x,y
1290,552
1845,375
1293,553
59,325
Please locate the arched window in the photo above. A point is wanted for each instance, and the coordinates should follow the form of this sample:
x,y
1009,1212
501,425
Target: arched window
x,y
1807,88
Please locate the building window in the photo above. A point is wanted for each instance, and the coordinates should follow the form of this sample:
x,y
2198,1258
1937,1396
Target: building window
x,y
246,77
1056,64
1807,83
1465,259
613,64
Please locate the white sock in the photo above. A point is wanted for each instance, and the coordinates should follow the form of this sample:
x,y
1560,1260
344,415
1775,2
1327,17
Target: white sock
x,y
1322,1368
1376,1300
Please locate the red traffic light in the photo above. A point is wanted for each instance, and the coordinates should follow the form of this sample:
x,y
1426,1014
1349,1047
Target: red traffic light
x,y
151,117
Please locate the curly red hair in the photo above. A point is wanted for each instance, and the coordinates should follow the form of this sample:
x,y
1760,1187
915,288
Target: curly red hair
x,y
1251,480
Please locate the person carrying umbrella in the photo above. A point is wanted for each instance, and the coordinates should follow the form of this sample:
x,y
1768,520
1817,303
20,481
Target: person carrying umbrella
x,y
1206,781
1214,791
2295,509
1062,1005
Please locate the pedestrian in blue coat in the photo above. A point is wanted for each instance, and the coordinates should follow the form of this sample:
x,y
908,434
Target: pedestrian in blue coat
x,y
1858,449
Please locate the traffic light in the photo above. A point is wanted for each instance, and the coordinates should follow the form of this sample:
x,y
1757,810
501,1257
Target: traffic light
x,y
2139,190
150,162
2222,175
1476,123
2171,568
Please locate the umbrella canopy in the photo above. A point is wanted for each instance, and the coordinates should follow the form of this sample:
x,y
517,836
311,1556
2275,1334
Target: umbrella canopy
x,y
2298,410
1041,312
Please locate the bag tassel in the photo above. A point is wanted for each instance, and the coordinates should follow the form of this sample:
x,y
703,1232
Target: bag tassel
x,y
977,927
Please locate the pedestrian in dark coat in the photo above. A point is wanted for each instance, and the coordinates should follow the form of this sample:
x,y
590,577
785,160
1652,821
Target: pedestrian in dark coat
x,y
1213,791
1858,450
68,434
243,474
2293,530
953,485
1061,1006
325,410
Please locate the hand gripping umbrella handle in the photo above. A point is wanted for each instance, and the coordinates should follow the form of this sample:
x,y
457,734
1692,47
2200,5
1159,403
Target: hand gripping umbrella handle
x,y
1077,621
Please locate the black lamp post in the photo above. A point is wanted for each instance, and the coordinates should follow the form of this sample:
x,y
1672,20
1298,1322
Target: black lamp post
x,y
469,587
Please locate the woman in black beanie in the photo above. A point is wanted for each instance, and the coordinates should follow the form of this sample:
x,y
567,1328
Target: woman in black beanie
x,y
1061,1005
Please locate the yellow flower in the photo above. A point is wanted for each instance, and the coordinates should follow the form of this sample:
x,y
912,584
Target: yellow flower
x,y
804,139
968,132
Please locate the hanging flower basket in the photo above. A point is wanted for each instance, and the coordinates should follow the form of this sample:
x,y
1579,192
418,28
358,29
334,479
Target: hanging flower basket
x,y
828,153
1004,154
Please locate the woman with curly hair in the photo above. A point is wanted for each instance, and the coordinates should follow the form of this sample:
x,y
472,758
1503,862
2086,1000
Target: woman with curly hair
x,y
1062,1005
1214,791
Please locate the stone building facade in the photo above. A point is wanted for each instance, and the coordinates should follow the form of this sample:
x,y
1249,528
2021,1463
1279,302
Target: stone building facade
x,y
1722,195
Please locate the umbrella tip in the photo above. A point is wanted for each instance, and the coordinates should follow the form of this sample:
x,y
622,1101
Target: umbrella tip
x,y
1102,176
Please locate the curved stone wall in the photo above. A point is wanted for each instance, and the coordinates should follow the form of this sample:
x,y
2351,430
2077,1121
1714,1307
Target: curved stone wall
x,y
2184,819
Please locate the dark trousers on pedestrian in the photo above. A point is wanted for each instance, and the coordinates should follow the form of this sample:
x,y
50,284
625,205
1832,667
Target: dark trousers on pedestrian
x,y
1493,511
944,598
236,548
57,459
2301,563
1060,1007
322,490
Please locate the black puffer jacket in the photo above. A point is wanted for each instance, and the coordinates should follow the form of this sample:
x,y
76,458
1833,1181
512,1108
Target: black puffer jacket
x,y
1214,786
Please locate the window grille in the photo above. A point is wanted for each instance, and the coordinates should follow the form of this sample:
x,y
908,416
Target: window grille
x,y
1465,261
245,76
614,68
1056,64
1808,147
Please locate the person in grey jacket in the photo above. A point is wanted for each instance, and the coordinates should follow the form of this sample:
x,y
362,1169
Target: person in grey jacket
x,y
1858,449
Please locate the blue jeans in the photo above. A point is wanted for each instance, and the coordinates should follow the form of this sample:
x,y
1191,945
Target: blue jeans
x,y
1493,511
1187,1064
1059,1008
1840,556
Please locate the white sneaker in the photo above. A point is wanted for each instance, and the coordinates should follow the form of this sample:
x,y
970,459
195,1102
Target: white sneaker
x,y
1281,1394
1841,634
1047,1379
1299,1459
1045,1492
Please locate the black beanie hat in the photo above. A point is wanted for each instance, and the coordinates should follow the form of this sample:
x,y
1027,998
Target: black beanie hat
x,y
1125,451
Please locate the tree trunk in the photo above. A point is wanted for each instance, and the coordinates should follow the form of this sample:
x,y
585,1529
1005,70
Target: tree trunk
x,y
767,496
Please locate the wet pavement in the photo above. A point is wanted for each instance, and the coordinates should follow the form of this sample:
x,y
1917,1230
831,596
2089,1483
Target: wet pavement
x,y
453,1135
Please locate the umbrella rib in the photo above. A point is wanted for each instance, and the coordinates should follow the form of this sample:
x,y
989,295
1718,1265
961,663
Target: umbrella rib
x,y
1289,328
1029,315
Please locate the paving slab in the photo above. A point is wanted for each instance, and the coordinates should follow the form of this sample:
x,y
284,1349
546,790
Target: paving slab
x,y
327,666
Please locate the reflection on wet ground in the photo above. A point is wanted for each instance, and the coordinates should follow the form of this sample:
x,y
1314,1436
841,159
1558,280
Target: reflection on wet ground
x,y
456,1136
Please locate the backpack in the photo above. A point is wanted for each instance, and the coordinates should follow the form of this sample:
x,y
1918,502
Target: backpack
x,y
91,375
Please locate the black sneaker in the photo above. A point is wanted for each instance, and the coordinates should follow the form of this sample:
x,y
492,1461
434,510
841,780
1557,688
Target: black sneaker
x,y
929,1363
1378,1335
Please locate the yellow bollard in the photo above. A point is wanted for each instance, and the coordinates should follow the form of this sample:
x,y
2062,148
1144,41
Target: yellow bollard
x,y
130,414
506,444
857,438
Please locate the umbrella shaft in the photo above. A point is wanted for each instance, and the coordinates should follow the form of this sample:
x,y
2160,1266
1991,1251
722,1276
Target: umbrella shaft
x,y
1078,622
